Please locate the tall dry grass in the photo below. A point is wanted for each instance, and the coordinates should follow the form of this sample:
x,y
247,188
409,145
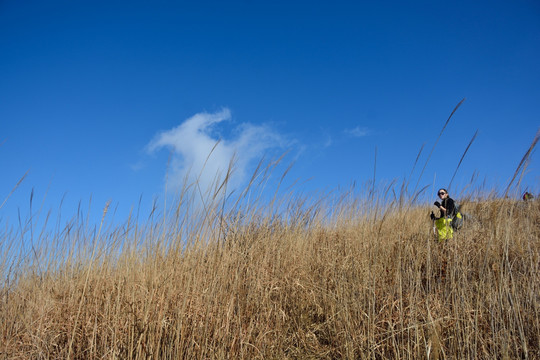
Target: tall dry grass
x,y
326,277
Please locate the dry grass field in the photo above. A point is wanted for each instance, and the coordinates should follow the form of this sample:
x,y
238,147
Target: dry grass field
x,y
330,278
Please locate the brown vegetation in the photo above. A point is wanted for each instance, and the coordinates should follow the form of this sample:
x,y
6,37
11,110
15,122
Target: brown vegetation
x,y
330,281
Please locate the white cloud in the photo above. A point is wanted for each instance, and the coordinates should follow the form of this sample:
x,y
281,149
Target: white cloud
x,y
358,131
200,154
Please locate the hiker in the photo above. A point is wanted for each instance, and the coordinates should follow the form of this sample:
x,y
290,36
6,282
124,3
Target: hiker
x,y
447,209
527,196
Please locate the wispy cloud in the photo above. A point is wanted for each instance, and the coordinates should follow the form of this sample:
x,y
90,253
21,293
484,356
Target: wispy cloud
x,y
200,153
358,131
328,142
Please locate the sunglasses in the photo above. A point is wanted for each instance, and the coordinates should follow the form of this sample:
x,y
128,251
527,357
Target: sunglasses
x,y
441,193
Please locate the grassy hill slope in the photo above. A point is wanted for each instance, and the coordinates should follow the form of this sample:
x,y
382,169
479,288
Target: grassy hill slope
x,y
243,285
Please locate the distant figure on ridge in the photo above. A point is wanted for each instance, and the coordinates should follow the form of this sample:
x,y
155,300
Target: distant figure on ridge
x,y
443,223
528,196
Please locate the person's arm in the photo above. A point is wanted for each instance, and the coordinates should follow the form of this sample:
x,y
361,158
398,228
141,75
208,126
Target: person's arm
x,y
449,207
441,209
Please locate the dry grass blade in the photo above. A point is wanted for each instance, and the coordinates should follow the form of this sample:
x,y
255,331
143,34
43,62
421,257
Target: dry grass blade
x,y
523,161
14,188
461,160
405,186
374,173
435,145
417,158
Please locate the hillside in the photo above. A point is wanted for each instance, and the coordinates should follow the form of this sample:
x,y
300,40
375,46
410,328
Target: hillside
x,y
349,285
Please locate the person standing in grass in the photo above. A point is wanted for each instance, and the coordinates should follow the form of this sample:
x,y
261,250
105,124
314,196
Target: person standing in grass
x,y
447,208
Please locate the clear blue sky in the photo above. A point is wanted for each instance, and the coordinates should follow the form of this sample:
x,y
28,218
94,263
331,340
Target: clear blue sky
x,y
95,95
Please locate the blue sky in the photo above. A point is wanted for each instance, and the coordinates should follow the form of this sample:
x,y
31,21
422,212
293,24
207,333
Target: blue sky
x,y
95,96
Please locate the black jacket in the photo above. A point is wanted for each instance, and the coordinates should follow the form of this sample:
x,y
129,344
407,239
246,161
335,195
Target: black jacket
x,y
450,207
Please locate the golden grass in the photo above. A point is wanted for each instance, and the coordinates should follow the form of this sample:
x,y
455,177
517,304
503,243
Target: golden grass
x,y
332,280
